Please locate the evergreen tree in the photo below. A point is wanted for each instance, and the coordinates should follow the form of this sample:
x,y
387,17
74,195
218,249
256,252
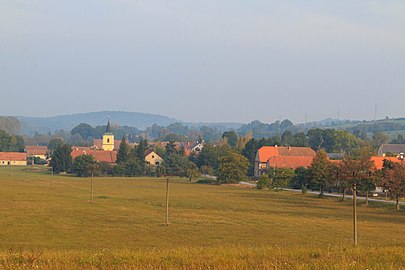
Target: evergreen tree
x,y
61,159
139,151
123,152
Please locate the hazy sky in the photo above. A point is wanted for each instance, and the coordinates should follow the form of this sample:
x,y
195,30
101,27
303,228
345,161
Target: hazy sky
x,y
210,60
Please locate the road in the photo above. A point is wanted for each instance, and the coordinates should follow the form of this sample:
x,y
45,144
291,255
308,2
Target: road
x,y
370,199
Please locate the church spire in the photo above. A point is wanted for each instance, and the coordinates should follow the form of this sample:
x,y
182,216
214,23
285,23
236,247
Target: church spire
x,y
108,129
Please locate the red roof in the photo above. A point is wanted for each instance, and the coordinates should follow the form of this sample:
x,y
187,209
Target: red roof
x,y
36,150
98,143
379,161
292,162
266,152
99,155
13,156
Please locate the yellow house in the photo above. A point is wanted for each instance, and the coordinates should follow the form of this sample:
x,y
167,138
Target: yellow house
x,y
108,139
36,151
151,158
13,159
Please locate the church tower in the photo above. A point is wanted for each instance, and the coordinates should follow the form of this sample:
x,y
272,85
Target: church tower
x,y
108,138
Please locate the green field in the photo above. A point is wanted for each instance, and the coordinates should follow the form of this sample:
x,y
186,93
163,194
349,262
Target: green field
x,y
211,226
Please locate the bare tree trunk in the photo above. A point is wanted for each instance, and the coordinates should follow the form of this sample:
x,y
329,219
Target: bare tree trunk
x,y
367,198
397,204
321,194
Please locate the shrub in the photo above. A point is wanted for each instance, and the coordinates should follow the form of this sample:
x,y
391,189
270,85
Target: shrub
x,y
264,182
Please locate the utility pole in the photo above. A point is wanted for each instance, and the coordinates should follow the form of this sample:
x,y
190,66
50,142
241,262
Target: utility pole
x,y
91,187
26,172
354,211
167,201
50,187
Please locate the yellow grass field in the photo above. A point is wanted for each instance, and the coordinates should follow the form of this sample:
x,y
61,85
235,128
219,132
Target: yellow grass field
x,y
211,227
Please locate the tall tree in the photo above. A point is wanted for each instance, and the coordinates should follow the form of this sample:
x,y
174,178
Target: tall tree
x,y
321,171
84,165
231,136
140,149
394,182
123,151
232,168
61,159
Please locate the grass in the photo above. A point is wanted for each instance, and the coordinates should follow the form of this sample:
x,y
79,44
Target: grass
x,y
211,226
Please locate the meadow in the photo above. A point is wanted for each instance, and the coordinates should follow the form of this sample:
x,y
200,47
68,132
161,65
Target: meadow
x,y
211,226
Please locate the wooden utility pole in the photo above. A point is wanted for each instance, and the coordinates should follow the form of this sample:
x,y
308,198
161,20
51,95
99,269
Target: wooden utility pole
x,y
167,201
355,214
50,187
91,187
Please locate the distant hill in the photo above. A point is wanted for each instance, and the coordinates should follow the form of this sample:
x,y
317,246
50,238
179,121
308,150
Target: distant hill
x,y
30,125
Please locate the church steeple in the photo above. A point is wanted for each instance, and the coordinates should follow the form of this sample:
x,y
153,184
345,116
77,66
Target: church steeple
x,y
108,129
108,138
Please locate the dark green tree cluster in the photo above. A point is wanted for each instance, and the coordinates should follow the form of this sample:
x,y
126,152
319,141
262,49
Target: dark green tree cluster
x,y
61,159
85,166
176,163
263,130
333,141
11,143
130,162
232,168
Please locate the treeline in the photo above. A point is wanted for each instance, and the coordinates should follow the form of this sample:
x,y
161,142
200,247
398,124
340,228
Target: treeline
x,y
379,126
178,132
130,162
11,143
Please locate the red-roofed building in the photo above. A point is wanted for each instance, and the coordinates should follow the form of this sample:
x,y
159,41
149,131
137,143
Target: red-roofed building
x,y
98,144
292,162
282,157
13,158
379,161
99,155
36,151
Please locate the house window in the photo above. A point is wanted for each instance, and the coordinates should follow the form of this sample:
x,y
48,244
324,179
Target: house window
x,y
108,140
153,156
157,162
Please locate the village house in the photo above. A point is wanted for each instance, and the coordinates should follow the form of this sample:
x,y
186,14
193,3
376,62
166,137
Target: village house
x,y
13,159
106,149
151,158
391,150
99,155
36,151
282,157
379,161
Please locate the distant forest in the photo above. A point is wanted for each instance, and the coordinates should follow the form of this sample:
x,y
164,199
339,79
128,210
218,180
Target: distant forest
x,y
281,132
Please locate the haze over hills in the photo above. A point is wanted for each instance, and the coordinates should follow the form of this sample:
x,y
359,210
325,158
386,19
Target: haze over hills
x,y
42,125
30,125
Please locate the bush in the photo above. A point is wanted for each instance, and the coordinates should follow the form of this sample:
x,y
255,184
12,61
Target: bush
x,y
264,182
